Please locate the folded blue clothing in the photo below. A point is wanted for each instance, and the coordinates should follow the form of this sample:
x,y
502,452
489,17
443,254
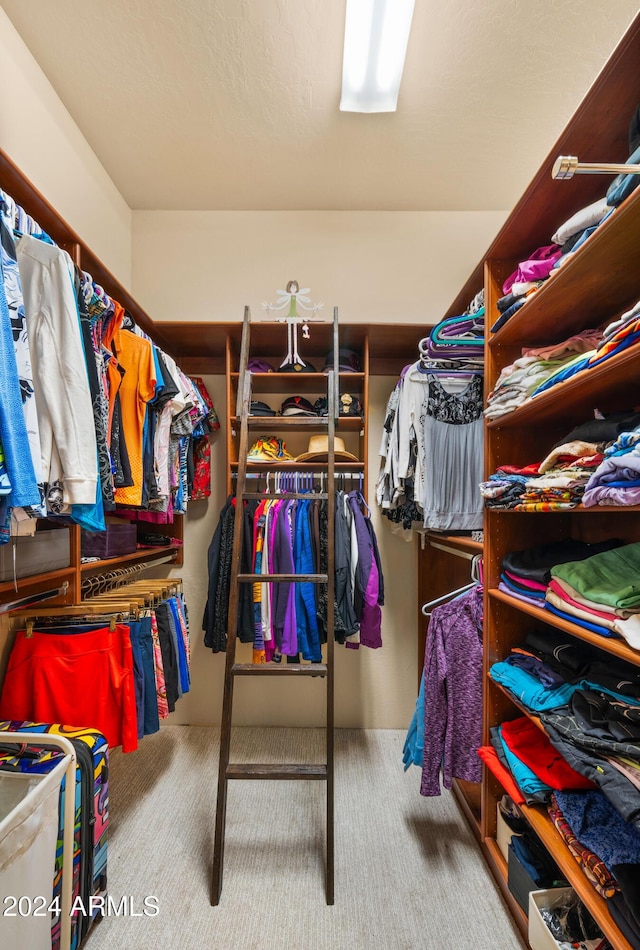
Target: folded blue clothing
x,y
529,690
623,483
594,627
504,317
600,827
526,780
538,698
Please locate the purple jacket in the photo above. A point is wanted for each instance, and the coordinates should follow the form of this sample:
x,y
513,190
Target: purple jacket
x,y
453,693
367,581
284,601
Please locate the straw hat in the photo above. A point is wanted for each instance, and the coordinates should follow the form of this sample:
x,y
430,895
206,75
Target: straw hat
x,y
319,450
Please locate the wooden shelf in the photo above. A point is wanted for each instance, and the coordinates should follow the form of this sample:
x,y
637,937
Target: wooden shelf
x,y
617,647
35,583
456,541
552,840
545,829
300,423
572,300
610,385
136,557
301,382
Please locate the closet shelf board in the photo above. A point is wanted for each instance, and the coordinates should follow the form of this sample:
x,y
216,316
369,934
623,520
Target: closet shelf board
x,y
301,382
617,647
580,509
573,298
146,554
603,387
299,423
35,584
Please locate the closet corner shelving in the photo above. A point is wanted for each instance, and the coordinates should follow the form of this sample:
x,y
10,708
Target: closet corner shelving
x,y
268,342
597,283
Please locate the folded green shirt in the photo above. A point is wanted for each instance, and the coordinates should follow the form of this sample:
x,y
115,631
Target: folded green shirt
x,y
611,578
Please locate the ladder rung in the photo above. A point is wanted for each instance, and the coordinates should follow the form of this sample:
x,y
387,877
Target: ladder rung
x,y
279,669
308,496
272,578
277,772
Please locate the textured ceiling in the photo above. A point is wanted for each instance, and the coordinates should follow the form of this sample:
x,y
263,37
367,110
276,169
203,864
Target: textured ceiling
x,y
233,104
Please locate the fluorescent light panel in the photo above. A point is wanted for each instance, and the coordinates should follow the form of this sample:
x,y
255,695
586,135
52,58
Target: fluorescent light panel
x,y
375,45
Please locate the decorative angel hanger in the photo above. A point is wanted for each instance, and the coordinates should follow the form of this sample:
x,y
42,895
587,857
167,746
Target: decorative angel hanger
x,y
294,296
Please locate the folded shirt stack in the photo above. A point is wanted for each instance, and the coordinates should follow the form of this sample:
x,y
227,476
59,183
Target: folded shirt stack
x,y
534,370
616,481
602,591
555,486
579,463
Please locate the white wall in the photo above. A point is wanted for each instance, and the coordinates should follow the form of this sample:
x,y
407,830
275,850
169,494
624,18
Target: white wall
x,y
378,267
41,138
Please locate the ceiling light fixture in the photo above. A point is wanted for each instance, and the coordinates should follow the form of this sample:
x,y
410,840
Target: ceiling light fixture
x,y
375,45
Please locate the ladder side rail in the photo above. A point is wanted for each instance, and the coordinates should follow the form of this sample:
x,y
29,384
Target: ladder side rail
x,y
333,409
232,626
244,360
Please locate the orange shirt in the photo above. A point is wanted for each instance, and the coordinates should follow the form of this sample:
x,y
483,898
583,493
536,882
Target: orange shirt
x,y
138,386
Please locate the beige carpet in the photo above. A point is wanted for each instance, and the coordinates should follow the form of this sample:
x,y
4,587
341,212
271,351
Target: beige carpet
x,y
409,874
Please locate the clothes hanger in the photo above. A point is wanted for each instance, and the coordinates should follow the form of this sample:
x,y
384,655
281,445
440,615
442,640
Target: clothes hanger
x,y
476,579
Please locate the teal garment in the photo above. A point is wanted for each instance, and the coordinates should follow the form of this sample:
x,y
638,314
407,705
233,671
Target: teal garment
x,y
526,780
611,578
413,751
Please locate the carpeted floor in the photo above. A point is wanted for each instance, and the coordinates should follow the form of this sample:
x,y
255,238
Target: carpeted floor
x,y
409,874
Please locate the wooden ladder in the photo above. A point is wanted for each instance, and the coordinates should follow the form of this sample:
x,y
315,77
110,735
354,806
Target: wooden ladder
x,y
227,770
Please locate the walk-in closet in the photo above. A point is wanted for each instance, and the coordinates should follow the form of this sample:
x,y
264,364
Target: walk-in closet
x,y
319,475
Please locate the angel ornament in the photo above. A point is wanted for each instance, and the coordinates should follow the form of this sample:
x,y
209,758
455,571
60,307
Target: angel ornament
x,y
293,297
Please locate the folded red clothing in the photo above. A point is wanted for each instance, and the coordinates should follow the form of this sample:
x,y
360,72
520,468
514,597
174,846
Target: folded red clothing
x,y
533,747
490,758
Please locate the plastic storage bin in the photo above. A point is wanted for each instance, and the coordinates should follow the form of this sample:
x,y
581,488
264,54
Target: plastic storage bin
x,y
540,937
46,551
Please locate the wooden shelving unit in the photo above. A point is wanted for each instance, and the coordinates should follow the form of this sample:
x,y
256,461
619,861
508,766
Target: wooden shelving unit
x,y
596,284
267,342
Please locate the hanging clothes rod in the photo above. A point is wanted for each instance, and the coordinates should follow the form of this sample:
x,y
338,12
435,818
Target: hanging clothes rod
x,y
34,598
455,551
566,166
108,580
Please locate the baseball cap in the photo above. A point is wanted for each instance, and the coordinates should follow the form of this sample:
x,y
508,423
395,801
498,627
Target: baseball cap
x,y
348,361
297,406
258,408
305,367
256,365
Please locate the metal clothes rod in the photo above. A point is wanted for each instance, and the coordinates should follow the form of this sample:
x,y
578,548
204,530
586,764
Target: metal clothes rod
x,y
566,166
454,551
34,598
